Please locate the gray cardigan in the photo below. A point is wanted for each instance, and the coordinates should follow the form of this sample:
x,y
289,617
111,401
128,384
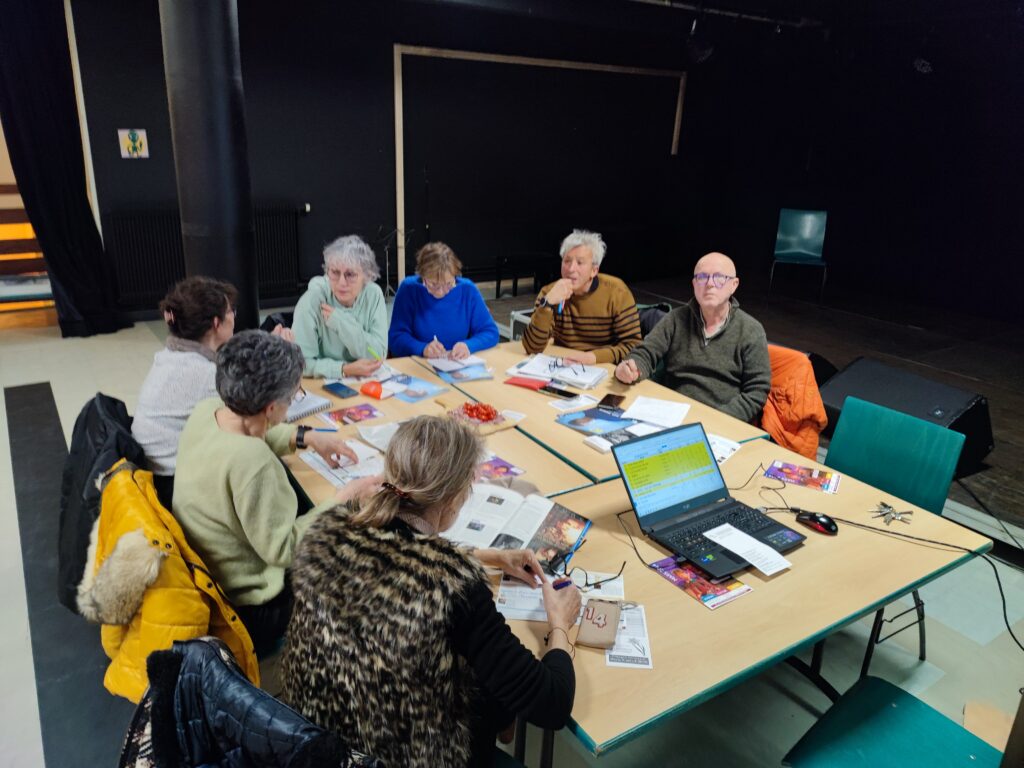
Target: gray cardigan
x,y
729,371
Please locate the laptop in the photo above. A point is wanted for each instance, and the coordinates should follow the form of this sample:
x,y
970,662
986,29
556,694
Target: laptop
x,y
678,492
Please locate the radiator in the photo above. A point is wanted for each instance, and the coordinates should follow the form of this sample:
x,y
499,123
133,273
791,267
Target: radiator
x,y
145,249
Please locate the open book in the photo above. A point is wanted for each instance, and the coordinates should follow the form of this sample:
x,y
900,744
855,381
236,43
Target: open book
x,y
548,367
499,517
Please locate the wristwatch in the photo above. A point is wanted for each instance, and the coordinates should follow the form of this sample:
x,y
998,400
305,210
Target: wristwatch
x,y
542,302
300,436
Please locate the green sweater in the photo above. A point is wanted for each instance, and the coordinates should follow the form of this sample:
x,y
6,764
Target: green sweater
x,y
233,500
351,333
730,371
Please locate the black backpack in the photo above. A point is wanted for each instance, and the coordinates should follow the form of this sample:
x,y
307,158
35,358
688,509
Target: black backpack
x,y
103,434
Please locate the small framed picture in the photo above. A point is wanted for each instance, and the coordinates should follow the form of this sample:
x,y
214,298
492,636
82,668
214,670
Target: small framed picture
x,y
134,144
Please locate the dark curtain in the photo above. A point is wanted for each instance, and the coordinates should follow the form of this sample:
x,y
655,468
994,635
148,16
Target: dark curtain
x,y
40,120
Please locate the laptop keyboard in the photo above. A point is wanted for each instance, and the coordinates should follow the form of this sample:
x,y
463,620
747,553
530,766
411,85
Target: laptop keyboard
x,y
692,538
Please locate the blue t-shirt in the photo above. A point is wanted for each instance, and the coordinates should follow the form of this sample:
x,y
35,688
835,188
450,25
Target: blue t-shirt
x,y
460,316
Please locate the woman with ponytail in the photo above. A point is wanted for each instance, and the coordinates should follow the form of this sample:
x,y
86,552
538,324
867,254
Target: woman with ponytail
x,y
395,642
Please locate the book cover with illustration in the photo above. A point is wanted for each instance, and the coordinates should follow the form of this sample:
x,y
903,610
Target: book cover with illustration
x,y
806,477
412,389
698,585
496,468
469,373
596,421
352,415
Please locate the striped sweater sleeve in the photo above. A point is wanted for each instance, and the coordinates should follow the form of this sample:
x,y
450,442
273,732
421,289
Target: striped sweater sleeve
x,y
538,332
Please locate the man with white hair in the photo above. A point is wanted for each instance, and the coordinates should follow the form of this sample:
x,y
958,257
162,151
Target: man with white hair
x,y
713,351
594,315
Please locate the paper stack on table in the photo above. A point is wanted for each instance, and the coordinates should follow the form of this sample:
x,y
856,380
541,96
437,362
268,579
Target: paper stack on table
x,y
548,367
662,413
371,462
448,365
520,601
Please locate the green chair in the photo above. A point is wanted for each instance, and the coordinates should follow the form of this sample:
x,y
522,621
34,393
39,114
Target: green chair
x,y
877,724
799,241
902,455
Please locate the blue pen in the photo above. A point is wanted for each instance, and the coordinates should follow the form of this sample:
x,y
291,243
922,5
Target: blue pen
x,y
563,584
324,429
560,305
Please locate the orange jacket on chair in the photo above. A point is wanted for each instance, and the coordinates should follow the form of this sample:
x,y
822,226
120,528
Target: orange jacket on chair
x,y
147,586
794,414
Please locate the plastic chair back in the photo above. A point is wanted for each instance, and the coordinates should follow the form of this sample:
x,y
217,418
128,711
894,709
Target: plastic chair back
x,y
801,236
903,455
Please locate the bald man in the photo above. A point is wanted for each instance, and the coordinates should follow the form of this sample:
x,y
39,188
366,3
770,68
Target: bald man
x,y
713,351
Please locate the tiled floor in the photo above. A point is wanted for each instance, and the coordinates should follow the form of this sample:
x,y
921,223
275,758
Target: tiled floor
x,y
970,652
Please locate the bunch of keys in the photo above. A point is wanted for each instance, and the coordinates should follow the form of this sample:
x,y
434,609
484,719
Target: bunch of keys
x,y
887,512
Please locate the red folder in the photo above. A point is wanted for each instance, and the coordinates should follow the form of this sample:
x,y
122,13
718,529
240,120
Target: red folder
x,y
525,381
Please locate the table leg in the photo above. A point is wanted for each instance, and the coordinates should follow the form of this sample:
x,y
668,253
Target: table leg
x,y
812,671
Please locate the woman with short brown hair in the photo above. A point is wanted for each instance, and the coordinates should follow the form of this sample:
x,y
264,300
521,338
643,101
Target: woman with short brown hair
x,y
438,312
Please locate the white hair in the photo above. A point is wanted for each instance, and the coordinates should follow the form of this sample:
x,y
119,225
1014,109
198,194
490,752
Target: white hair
x,y
352,251
592,240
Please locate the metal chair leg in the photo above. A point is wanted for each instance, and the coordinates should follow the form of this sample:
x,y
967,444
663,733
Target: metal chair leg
x,y
519,748
919,604
876,630
771,278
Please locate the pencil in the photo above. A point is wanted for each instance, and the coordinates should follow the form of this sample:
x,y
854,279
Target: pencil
x,y
373,352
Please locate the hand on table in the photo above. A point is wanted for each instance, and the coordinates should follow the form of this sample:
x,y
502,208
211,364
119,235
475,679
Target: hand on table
x,y
327,444
434,349
518,563
360,368
359,489
559,293
460,351
627,371
585,358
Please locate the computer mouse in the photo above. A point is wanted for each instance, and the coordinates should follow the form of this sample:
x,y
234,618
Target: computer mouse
x,y
819,522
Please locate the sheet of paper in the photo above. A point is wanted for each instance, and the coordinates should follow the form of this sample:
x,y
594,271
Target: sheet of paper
x,y
518,601
632,644
448,365
573,403
664,413
371,462
513,415
722,448
640,429
378,436
573,374
759,555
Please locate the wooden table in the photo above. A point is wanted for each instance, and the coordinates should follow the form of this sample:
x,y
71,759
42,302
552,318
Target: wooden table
x,y
549,476
699,653
567,443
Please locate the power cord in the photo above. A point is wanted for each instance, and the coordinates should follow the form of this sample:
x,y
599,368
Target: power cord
x,y
998,519
897,534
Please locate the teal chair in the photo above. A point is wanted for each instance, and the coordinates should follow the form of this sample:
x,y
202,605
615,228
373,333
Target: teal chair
x,y
800,240
877,724
902,455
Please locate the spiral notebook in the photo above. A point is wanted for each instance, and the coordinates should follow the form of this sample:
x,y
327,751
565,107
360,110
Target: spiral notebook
x,y
306,404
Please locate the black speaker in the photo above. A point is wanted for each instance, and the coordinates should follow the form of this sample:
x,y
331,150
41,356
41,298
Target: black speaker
x,y
957,409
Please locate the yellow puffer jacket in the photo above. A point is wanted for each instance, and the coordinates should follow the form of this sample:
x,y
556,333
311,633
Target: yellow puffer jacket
x,y
148,587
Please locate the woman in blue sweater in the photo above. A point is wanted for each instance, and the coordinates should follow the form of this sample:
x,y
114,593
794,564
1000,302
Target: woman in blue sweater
x,y
437,312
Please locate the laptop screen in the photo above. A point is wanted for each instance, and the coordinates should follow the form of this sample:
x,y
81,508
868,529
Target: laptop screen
x,y
669,473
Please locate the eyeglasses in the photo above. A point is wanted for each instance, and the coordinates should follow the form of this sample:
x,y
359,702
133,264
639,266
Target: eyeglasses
x,y
299,395
718,279
350,275
584,583
558,363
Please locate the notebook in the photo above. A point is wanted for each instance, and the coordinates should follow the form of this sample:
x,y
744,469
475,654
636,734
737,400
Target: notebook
x,y
678,492
306,404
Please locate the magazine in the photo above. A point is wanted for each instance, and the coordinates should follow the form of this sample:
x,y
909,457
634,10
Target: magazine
x,y
807,477
351,415
369,462
548,367
499,517
410,389
469,373
596,421
697,584
496,468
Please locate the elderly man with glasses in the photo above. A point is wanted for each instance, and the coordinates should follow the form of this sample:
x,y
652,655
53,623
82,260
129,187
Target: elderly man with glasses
x,y
713,351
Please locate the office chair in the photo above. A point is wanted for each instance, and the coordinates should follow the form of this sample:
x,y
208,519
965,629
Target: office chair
x,y
902,455
799,240
875,723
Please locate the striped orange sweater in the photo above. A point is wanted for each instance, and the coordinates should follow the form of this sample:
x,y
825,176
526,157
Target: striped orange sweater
x,y
603,321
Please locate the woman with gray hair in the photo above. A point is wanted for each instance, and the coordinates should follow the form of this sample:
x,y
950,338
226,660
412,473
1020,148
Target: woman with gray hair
x,y
341,323
232,495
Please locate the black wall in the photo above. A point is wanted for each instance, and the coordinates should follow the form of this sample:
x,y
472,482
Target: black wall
x,y
921,174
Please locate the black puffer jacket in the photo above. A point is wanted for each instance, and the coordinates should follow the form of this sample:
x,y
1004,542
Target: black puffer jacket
x,y
202,711
103,434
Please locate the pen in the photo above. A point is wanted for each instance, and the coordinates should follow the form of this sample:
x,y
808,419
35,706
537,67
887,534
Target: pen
x,y
373,352
563,584
560,305
324,429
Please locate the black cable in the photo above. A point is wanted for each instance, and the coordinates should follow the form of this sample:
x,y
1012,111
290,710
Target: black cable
x,y
759,468
998,519
631,542
955,547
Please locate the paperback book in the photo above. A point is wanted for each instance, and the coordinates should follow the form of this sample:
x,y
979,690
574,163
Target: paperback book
x,y
698,585
409,389
351,415
496,468
469,373
806,477
596,421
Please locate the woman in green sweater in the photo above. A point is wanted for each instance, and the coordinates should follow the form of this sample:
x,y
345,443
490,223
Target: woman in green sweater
x,y
341,323
232,495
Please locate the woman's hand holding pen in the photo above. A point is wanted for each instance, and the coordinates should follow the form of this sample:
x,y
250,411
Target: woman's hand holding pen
x,y
435,349
360,368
